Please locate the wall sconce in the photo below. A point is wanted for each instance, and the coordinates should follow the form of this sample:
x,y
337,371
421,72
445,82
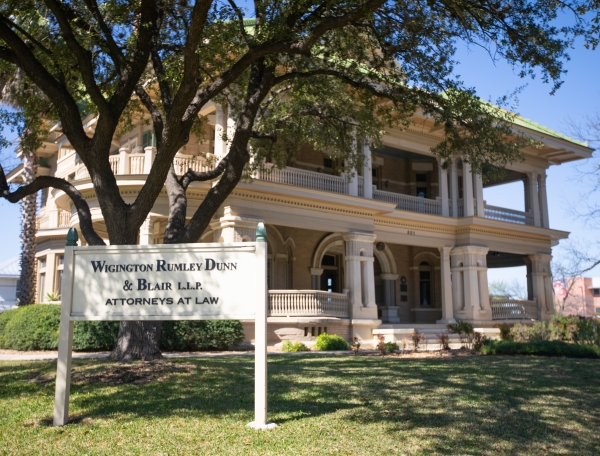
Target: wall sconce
x,y
387,184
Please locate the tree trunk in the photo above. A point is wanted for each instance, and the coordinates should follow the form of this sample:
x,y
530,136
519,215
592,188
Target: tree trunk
x,y
138,340
28,230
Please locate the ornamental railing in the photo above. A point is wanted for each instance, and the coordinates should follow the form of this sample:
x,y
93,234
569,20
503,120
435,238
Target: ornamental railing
x,y
182,163
136,163
298,303
114,164
514,309
508,215
410,203
303,178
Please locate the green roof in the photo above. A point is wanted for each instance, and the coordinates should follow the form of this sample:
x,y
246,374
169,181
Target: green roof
x,y
528,123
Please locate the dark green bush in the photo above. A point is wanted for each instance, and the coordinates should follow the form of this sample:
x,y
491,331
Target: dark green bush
x,y
541,348
193,335
33,327
289,346
330,342
505,331
392,347
36,327
4,319
95,335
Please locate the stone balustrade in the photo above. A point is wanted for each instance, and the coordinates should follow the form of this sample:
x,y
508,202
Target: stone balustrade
x,y
290,303
513,309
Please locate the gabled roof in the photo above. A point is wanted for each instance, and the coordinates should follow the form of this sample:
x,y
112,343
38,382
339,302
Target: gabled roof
x,y
11,268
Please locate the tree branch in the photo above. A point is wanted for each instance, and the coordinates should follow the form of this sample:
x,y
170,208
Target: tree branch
x,y
194,176
41,182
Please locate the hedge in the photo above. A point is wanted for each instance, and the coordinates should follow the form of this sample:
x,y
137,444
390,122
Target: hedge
x,y
541,348
193,335
36,327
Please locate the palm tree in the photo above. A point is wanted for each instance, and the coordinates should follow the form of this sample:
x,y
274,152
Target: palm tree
x,y
28,231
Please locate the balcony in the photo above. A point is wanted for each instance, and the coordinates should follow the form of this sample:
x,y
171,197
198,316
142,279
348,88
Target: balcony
x,y
54,219
308,303
135,164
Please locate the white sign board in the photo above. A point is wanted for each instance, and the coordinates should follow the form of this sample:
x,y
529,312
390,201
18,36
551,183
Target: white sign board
x,y
165,282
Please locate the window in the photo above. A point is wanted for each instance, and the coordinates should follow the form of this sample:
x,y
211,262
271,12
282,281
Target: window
x,y
421,178
596,291
328,260
43,263
61,260
42,287
425,284
328,163
597,310
148,139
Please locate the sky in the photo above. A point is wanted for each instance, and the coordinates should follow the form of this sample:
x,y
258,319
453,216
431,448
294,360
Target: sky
x,y
579,96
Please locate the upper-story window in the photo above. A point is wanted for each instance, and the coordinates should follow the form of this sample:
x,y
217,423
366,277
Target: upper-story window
x,y
596,291
148,139
64,151
422,185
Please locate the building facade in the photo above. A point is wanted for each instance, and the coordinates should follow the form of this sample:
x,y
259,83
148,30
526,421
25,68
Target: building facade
x,y
578,296
405,242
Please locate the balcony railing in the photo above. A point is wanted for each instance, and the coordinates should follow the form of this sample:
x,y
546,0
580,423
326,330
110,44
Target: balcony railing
x,y
325,182
296,303
303,178
54,219
508,215
513,309
410,203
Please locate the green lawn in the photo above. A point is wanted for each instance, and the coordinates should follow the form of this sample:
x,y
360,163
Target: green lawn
x,y
322,404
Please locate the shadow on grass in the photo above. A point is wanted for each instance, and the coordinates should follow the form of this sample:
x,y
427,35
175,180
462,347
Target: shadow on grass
x,y
514,404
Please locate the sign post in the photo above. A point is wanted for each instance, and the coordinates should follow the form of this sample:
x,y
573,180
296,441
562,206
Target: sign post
x,y
164,282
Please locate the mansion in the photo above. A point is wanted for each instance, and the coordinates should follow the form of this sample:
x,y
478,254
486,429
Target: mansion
x,y
403,243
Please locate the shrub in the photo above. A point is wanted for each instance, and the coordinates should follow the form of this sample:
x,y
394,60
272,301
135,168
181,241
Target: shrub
x,y
520,332
563,327
33,327
289,346
479,340
464,330
444,339
392,347
543,348
587,331
381,344
193,335
417,338
539,332
355,346
505,331
95,335
4,319
331,342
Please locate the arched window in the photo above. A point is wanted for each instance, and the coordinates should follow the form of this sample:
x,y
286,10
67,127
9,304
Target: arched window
x,y
425,298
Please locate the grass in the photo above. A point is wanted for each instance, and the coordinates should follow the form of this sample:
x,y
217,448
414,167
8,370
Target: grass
x,y
322,405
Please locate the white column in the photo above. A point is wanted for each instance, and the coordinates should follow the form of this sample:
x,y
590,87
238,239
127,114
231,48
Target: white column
x,y
353,183
544,200
469,210
542,284
149,153
220,129
534,197
443,183
124,166
359,276
454,186
367,171
447,291
469,283
315,278
231,121
147,231
233,228
479,194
